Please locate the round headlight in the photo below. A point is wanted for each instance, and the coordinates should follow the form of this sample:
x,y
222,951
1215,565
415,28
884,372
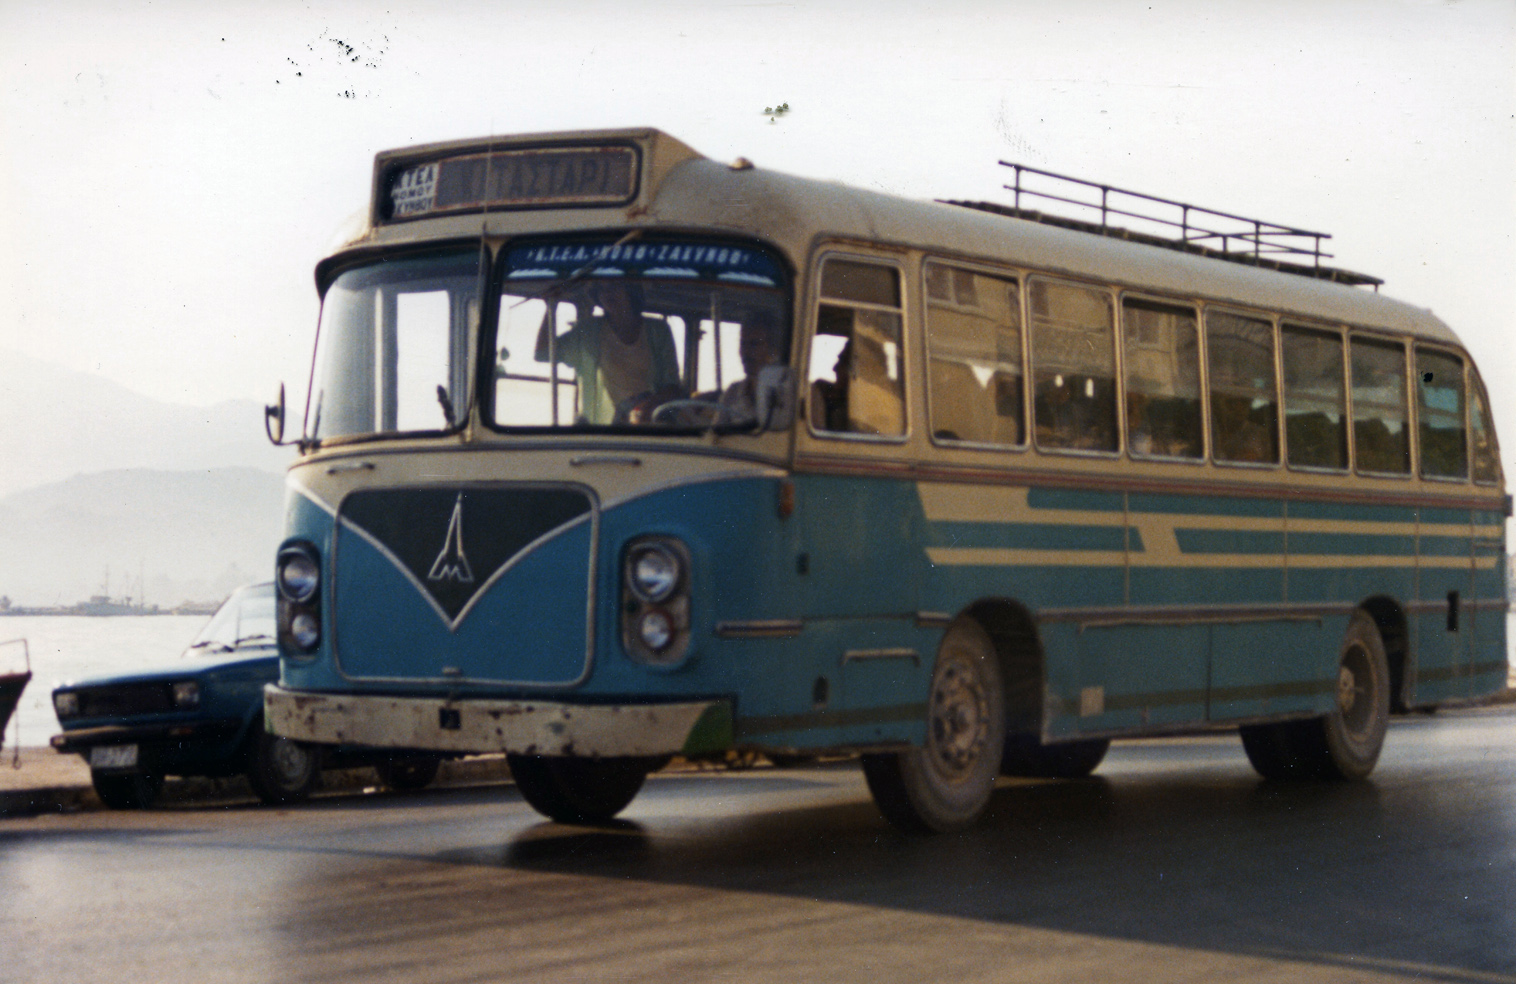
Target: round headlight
x,y
66,704
656,630
299,576
187,694
305,630
654,573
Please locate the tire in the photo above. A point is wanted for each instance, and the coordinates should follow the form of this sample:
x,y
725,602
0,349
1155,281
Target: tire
x,y
579,790
127,791
1346,742
1026,755
945,784
281,770
412,772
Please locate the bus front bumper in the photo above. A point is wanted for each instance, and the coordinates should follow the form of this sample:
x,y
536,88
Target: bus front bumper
x,y
523,727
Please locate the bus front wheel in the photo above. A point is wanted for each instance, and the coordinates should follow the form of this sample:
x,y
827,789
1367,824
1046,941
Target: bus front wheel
x,y
1345,743
945,784
578,790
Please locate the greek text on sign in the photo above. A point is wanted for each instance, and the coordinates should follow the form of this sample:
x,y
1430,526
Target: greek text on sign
x,y
515,179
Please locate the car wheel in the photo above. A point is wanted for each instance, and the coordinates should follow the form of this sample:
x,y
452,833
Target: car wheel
x,y
1345,743
579,790
412,772
945,784
127,791
282,770
1026,755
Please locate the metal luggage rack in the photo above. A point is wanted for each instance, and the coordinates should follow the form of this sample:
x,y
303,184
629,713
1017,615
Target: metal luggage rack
x,y
1177,225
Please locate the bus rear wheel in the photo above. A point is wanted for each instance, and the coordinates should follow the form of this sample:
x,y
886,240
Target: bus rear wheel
x,y
579,790
1345,743
945,784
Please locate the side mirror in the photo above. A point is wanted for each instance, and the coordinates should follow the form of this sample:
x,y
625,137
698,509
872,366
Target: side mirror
x,y
774,399
273,420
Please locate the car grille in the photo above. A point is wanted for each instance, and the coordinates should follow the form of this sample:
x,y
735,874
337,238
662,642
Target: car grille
x,y
127,698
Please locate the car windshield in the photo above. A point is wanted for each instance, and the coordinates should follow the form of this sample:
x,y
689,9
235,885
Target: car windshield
x,y
392,346
641,335
246,619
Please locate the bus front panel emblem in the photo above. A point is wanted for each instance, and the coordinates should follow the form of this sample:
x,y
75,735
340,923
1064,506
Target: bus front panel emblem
x,y
451,561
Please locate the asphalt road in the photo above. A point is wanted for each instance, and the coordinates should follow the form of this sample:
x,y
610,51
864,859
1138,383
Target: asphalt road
x,y
1174,864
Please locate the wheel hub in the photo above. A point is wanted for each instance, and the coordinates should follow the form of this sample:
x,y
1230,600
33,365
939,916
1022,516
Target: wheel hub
x,y
958,721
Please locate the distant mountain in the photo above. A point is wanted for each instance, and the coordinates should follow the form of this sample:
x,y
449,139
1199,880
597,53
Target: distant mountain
x,y
56,423
162,536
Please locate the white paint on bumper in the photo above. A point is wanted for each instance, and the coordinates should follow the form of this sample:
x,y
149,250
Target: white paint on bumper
x,y
526,727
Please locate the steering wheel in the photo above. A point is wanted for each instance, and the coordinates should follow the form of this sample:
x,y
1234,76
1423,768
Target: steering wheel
x,y
665,412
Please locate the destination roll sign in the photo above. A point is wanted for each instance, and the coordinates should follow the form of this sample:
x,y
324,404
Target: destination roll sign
x,y
536,178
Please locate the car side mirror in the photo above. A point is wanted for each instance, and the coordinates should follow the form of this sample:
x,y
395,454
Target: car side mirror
x,y
273,420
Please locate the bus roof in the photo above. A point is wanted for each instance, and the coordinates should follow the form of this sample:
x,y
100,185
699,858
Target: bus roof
x,y
678,188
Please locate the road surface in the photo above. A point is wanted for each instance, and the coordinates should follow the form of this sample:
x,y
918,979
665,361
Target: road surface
x,y
1175,863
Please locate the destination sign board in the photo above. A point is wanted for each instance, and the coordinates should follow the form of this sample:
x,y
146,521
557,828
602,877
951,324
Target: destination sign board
x,y
535,178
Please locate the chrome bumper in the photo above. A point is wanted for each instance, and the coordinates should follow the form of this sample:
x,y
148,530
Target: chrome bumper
x,y
524,727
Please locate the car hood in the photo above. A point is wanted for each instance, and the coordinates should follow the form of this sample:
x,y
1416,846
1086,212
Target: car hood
x,y
250,659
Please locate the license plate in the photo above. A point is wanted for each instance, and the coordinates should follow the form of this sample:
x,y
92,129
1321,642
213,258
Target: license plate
x,y
113,757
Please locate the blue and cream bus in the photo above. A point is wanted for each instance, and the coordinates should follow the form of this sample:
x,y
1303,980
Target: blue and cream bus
x,y
614,453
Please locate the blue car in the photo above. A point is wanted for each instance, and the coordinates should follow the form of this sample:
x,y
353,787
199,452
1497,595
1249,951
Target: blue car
x,y
204,717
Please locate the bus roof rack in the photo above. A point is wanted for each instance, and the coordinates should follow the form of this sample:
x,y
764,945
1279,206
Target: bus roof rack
x,y
1172,225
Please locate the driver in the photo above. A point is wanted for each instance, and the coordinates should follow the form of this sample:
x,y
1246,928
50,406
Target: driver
x,y
621,357
758,347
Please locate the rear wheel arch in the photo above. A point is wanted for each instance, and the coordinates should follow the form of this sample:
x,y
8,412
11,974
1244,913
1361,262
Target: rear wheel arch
x,y
1389,617
1018,650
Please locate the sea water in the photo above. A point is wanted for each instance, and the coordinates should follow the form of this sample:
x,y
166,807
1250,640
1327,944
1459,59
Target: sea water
x,y
67,648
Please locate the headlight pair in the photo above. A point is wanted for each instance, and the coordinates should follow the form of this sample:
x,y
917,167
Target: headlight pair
x,y
298,577
655,622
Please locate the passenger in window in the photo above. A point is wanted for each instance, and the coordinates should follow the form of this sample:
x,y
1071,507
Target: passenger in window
x,y
829,398
626,363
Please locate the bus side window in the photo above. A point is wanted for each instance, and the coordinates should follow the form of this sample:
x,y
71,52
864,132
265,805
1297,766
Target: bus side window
x,y
1074,367
1315,428
856,375
1243,395
1381,431
973,337
1162,350
1439,405
1486,450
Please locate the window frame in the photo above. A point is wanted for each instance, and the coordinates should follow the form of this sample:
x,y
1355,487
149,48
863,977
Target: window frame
x,y
1201,376
1112,294
1282,324
814,300
1272,320
1407,354
1017,277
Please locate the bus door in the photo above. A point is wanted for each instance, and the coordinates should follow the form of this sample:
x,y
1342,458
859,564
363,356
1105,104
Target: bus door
x,y
860,517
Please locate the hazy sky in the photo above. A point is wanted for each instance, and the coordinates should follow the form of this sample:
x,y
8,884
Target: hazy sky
x,y
173,170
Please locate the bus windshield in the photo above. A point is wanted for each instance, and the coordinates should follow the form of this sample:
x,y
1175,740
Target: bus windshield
x,y
641,335
392,346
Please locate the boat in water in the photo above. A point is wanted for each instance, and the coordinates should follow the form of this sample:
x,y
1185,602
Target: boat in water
x,y
11,685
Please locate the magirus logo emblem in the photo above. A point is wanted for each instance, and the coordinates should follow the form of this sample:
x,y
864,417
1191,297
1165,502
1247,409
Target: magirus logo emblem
x,y
452,563
423,532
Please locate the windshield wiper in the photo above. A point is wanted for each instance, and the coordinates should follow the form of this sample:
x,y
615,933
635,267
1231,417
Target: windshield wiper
x,y
447,406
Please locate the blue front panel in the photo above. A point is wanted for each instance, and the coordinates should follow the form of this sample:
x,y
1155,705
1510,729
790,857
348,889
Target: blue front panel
x,y
529,626
1443,652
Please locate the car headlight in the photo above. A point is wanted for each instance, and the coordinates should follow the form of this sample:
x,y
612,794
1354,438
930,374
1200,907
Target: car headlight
x,y
299,574
186,694
655,596
656,630
66,704
654,572
305,630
